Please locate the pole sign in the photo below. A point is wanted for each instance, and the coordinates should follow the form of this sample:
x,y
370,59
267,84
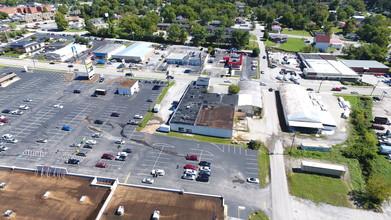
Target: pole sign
x,y
89,67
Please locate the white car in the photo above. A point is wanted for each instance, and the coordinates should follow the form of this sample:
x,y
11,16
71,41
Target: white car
x,y
138,117
187,176
148,180
227,81
96,135
389,156
6,136
76,145
16,112
27,100
159,172
205,169
24,107
253,180
91,142
42,140
189,171
1,123
3,148
2,117
58,106
120,141
12,140
124,154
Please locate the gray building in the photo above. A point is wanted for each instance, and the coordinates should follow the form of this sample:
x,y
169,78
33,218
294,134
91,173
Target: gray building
x,y
200,112
107,50
26,46
192,58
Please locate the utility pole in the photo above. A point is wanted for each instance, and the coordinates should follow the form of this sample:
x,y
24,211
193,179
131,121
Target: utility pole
x,y
375,87
320,85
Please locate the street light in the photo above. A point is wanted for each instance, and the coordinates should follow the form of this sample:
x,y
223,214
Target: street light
x,y
320,85
375,86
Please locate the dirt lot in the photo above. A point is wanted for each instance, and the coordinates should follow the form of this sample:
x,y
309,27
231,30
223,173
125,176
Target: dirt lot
x,y
25,190
141,203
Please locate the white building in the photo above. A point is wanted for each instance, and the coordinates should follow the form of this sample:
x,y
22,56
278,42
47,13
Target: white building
x,y
250,99
66,52
323,168
128,87
106,51
137,52
322,42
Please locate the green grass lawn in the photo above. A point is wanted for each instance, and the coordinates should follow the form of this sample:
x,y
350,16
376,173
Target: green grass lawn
x,y
382,168
263,166
270,43
319,188
258,215
296,32
73,30
293,44
253,37
336,30
251,45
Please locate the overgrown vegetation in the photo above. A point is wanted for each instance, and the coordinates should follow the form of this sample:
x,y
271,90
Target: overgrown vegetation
x,y
263,166
355,83
258,215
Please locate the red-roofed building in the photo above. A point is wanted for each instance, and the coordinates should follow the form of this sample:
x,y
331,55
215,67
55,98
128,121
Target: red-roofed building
x,y
336,44
25,9
322,42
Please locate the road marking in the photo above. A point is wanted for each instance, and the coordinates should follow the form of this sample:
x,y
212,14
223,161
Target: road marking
x,y
252,163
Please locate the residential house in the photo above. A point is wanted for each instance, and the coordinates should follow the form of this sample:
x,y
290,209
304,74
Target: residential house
x,y
279,38
276,28
322,42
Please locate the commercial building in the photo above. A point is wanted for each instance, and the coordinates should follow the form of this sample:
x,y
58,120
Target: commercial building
x,y
315,147
366,66
137,52
106,51
67,52
193,58
322,42
128,87
250,99
304,112
323,168
321,66
200,112
26,46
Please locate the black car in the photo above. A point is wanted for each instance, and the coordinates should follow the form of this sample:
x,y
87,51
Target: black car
x,y
51,63
205,164
127,150
114,114
76,91
375,98
121,158
101,79
310,89
7,111
99,122
270,89
70,65
203,178
73,161
204,173
149,100
88,146
94,95
264,57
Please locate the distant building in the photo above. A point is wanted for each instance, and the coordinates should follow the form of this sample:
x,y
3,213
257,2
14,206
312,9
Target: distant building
x,y
66,52
26,46
106,51
200,112
137,52
29,18
322,42
26,9
315,147
8,78
203,81
279,38
366,66
250,99
323,168
276,28
193,58
128,87
336,44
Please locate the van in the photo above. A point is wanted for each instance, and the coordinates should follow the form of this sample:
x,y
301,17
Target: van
x,y
120,210
381,120
100,92
156,108
164,128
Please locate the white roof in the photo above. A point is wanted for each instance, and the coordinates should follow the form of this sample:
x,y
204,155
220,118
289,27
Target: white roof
x,y
315,145
331,67
176,56
323,165
139,49
249,94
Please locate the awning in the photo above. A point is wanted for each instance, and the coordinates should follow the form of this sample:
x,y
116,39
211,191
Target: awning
x,y
305,124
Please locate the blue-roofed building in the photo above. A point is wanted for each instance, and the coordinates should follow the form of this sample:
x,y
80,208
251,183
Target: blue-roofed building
x,y
137,52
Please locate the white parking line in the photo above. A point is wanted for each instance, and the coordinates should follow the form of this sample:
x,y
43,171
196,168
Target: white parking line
x,y
252,164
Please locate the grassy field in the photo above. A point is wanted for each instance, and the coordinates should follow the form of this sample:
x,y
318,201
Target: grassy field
x,y
292,44
336,30
319,188
268,42
253,37
264,166
258,215
251,45
296,32
150,113
201,138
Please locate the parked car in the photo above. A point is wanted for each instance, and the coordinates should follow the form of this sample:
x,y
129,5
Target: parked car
x,y
114,114
73,161
253,180
16,112
189,166
77,91
119,141
11,140
120,158
375,98
204,173
310,89
101,165
6,136
66,128
108,156
192,172
82,153
27,100
58,106
99,122
4,120
6,111
96,135
158,172
3,148
203,178
148,180
24,107
42,140
101,79
191,157
205,169
134,122
204,163
187,176
92,142
127,150
378,127
354,92
138,117
270,89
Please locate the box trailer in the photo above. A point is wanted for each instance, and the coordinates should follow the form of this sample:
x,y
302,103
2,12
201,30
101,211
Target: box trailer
x,y
100,92
156,108
322,168
164,128
381,120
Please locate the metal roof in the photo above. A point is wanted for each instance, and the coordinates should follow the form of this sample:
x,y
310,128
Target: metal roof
x,y
250,94
139,49
107,48
323,165
364,64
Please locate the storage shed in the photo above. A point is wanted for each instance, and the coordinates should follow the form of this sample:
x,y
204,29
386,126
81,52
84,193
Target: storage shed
x,y
323,168
128,87
315,147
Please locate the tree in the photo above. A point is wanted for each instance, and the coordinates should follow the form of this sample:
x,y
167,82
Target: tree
x,y
207,15
62,24
45,10
254,145
183,35
341,14
210,49
199,33
288,19
3,15
240,39
366,52
309,49
350,26
173,32
334,4
33,37
256,52
12,25
63,9
233,89
266,35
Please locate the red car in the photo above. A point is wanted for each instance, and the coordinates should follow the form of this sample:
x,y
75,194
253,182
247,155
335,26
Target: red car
x,y
101,165
191,157
190,167
108,156
379,74
336,89
4,120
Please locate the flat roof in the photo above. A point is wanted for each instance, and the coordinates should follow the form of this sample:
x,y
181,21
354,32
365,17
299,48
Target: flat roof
x,y
24,194
314,145
176,56
127,83
107,48
323,165
332,67
140,203
216,117
364,64
139,49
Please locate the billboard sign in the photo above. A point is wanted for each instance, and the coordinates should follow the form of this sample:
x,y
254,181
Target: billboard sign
x,y
89,67
73,49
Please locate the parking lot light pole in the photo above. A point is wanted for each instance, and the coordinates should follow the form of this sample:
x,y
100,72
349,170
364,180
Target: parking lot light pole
x,y
375,87
320,85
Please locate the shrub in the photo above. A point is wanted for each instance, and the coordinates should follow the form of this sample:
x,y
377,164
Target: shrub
x,y
233,89
254,145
